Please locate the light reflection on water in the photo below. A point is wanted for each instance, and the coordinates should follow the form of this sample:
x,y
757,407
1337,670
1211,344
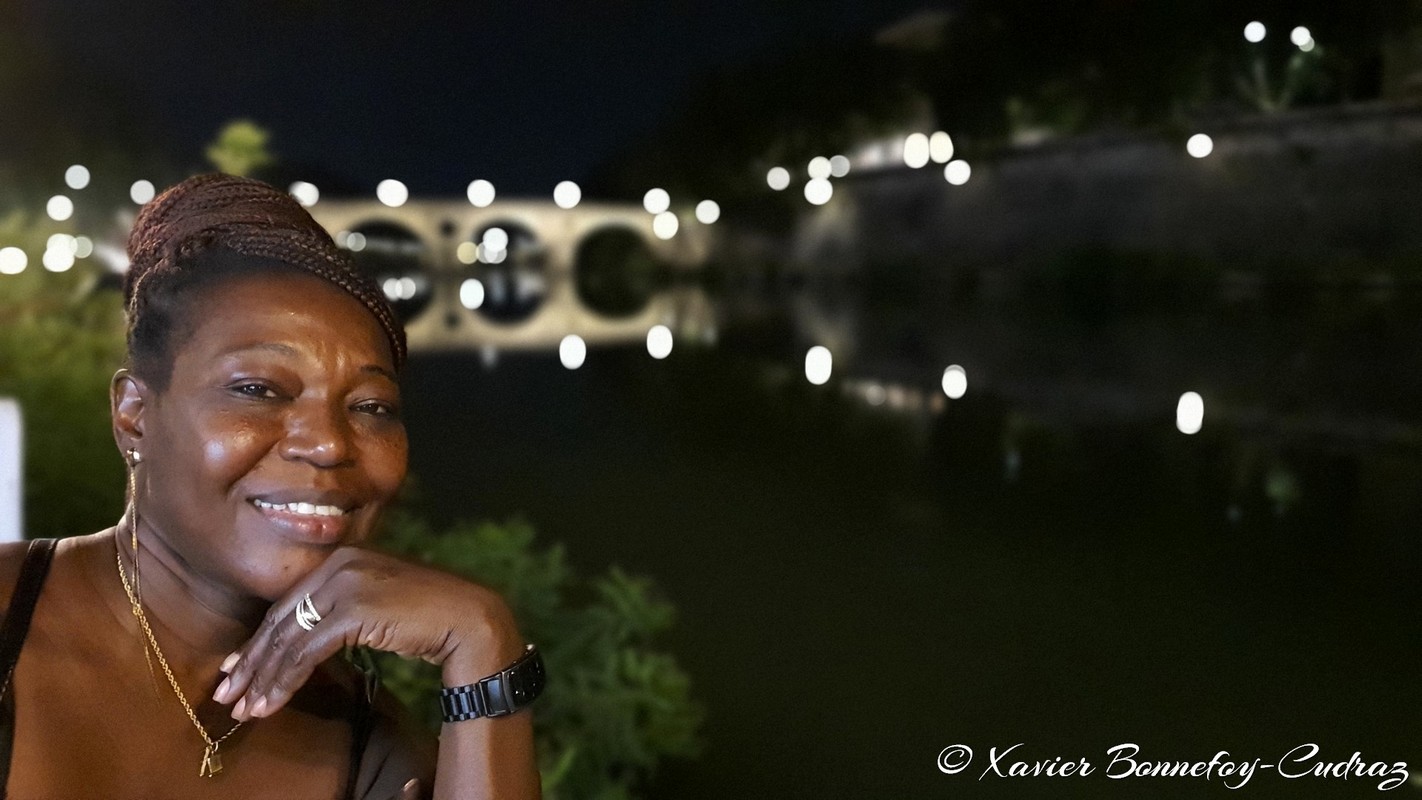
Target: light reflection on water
x,y
1047,558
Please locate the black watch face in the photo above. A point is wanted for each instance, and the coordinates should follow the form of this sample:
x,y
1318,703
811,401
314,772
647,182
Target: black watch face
x,y
527,681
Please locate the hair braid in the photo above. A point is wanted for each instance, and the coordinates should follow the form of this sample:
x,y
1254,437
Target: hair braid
x,y
180,234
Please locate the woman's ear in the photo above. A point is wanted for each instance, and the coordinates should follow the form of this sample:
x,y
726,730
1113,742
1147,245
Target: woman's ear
x,y
128,396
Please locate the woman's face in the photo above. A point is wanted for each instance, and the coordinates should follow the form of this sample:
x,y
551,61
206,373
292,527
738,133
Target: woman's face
x,y
278,437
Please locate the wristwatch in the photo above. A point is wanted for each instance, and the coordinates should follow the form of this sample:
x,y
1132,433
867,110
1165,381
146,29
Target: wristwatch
x,y
498,695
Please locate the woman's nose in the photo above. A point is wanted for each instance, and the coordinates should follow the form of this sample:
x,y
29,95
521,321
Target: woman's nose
x,y
318,434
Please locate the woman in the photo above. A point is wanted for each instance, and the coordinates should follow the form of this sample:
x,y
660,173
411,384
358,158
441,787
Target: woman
x,y
193,650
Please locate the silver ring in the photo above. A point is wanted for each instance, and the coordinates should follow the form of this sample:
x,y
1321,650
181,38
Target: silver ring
x,y
306,615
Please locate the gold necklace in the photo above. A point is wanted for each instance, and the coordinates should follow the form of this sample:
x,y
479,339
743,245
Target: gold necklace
x,y
211,761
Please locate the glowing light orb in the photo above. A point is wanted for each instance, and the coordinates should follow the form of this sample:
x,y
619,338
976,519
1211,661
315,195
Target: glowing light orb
x,y
818,365
1190,413
708,211
818,191
496,239
58,259
665,224
83,247
940,147
467,252
778,178
1300,36
819,167
76,177
955,382
59,208
355,242
481,193
572,351
305,193
392,193
916,150
141,191
839,166
1200,145
567,194
656,201
471,294
1254,32
957,172
13,261
659,341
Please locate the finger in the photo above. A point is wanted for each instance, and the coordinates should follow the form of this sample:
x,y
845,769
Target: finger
x,y
270,632
411,790
284,669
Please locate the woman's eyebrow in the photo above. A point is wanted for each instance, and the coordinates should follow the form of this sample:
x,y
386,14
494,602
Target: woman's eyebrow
x,y
286,350
379,370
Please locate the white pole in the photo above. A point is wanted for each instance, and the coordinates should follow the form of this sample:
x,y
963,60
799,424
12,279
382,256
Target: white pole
x,y
12,464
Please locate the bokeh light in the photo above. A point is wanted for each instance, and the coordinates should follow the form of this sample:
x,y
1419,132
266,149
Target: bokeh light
x,y
1254,32
572,351
59,208
957,172
76,177
355,242
305,193
467,252
13,261
1190,413
496,238
481,193
839,166
392,193
83,247
940,147
818,191
1300,36
62,241
819,167
567,194
1200,145
141,191
659,341
656,201
708,211
665,225
471,294
58,259
955,381
778,178
818,365
916,150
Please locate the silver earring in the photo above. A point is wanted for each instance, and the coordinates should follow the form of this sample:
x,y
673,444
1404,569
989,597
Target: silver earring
x,y
134,457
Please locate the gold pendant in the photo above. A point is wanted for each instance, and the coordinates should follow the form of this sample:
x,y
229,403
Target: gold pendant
x,y
211,762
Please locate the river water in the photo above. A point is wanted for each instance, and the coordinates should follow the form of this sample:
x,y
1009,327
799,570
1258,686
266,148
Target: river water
x,y
867,572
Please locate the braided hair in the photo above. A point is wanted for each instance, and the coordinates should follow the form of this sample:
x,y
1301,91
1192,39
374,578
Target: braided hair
x,y
212,226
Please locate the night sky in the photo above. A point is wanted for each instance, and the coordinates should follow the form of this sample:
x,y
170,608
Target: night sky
x,y
436,94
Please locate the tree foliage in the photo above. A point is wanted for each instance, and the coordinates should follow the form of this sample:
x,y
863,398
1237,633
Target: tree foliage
x,y
240,148
614,705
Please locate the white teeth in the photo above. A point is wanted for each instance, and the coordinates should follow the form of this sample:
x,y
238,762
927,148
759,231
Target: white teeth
x,y
301,508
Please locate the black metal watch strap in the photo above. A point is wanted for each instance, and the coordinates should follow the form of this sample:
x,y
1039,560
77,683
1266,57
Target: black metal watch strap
x,y
498,695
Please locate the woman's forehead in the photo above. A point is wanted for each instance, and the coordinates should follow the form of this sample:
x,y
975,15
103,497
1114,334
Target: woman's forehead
x,y
282,314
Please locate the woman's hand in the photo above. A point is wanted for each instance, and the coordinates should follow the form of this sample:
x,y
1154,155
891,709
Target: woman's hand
x,y
369,598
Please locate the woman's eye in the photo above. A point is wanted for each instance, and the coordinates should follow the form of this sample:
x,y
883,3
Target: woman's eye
x,y
376,407
255,390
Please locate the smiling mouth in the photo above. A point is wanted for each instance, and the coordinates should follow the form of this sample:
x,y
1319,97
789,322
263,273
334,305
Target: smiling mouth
x,y
302,509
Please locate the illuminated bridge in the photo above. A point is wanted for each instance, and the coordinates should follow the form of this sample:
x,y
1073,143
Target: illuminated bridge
x,y
523,274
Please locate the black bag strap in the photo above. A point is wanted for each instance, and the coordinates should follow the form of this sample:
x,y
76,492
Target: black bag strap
x,y
22,606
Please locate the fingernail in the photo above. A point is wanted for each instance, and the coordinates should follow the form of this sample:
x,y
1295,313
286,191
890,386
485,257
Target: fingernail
x,y
221,694
229,662
260,707
239,708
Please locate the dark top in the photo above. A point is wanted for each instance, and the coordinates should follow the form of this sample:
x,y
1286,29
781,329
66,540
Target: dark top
x,y
17,624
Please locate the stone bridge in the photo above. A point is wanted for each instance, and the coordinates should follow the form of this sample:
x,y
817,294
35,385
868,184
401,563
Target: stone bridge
x,y
597,270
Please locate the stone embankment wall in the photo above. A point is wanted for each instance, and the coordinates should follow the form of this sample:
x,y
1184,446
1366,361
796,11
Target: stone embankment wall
x,y
1320,189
